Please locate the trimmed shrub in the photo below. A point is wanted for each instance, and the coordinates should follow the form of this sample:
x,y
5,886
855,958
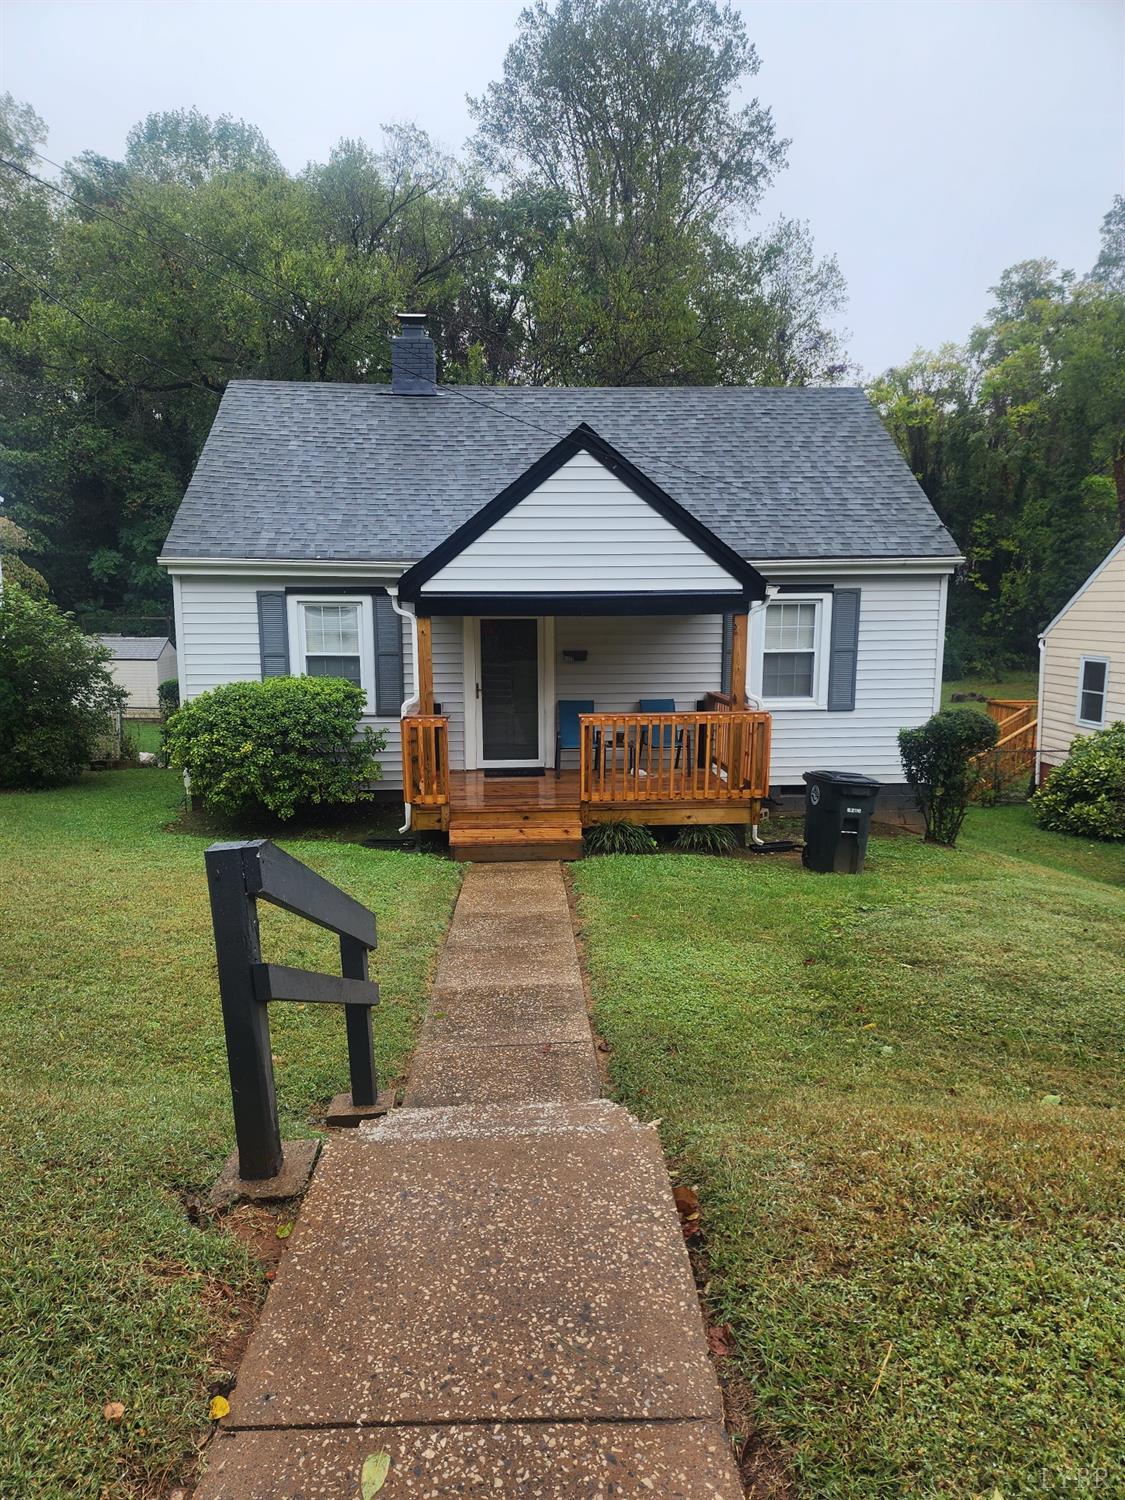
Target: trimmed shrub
x,y
277,745
706,838
57,697
937,759
619,836
1086,794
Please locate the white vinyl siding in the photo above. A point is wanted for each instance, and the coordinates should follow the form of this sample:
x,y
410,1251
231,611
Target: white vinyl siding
x,y
898,669
448,654
217,623
631,657
581,531
1091,628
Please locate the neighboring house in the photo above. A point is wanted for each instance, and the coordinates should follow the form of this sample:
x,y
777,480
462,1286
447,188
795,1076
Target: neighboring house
x,y
1082,663
755,559
140,664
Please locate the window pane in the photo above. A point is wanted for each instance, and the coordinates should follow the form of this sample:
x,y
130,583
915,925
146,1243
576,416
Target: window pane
x,y
787,674
332,629
1091,699
334,666
790,627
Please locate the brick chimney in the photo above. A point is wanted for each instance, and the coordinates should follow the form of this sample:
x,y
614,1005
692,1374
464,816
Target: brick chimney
x,y
413,366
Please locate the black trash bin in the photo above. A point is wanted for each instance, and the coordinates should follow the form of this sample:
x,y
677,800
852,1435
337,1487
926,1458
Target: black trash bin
x,y
838,808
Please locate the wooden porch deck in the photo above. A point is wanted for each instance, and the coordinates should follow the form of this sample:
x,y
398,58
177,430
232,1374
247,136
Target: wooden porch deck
x,y
542,817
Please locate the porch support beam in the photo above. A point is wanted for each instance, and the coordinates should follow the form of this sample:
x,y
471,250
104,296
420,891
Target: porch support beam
x,y
425,685
738,648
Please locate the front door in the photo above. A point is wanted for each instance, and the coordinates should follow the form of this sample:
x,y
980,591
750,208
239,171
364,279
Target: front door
x,y
509,716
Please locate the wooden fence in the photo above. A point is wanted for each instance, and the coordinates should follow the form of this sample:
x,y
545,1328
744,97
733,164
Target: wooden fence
x,y
1011,762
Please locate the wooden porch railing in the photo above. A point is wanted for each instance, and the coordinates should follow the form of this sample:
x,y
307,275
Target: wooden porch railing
x,y
425,760
681,757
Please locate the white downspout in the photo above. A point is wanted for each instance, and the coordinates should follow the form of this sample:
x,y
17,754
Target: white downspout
x,y
771,591
411,703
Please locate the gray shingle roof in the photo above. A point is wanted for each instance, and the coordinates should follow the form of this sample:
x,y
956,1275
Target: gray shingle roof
x,y
135,647
306,471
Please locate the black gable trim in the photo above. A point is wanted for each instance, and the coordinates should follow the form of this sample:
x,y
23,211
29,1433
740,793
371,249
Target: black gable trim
x,y
582,439
581,604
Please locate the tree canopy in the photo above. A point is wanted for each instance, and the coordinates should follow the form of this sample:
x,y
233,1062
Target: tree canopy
x,y
1018,438
594,232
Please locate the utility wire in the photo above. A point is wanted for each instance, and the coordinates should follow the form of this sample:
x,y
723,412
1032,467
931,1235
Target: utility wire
x,y
35,284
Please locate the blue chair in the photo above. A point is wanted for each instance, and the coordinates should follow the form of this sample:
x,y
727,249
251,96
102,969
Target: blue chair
x,y
661,706
568,731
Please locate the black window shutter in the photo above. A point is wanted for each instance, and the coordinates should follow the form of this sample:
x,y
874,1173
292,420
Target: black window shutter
x,y
728,637
844,650
273,634
388,659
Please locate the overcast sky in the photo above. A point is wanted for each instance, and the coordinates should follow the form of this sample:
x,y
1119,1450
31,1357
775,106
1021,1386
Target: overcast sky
x,y
933,143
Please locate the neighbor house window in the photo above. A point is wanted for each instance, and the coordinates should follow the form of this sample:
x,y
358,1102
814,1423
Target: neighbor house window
x,y
332,637
789,655
1093,675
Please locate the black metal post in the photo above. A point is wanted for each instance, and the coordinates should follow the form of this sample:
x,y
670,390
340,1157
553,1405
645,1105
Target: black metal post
x,y
357,1018
245,1017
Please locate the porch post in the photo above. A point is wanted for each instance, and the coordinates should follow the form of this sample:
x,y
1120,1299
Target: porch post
x,y
424,688
738,647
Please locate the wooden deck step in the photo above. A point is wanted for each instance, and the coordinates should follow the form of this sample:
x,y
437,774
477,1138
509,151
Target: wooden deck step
x,y
514,817
515,840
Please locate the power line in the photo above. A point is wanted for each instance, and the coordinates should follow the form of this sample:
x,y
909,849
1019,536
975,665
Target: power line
x,y
270,303
44,290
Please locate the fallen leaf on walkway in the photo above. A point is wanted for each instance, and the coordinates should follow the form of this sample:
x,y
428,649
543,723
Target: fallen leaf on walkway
x,y
720,1340
114,1411
220,1407
284,1231
373,1475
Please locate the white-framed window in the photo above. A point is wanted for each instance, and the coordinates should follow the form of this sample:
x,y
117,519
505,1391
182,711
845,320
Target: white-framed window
x,y
790,652
1093,684
332,635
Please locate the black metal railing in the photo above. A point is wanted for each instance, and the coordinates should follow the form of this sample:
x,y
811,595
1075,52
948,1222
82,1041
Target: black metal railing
x,y
238,877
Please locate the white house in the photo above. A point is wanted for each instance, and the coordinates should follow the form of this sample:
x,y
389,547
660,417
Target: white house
x,y
140,664
1082,663
683,596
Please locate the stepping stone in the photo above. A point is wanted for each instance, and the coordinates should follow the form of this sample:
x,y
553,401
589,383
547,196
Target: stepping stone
x,y
670,1460
483,1265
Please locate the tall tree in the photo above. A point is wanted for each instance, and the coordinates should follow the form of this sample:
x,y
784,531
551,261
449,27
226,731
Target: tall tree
x,y
1019,440
625,108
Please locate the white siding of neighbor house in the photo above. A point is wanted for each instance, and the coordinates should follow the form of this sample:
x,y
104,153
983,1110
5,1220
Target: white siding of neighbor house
x,y
1093,624
141,680
582,530
217,625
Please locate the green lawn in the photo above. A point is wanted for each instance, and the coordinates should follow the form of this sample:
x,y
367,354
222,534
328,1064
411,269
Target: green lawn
x,y
1014,685
144,733
899,1096
114,1102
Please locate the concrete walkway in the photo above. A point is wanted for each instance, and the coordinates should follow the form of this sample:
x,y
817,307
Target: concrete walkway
x,y
489,1285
